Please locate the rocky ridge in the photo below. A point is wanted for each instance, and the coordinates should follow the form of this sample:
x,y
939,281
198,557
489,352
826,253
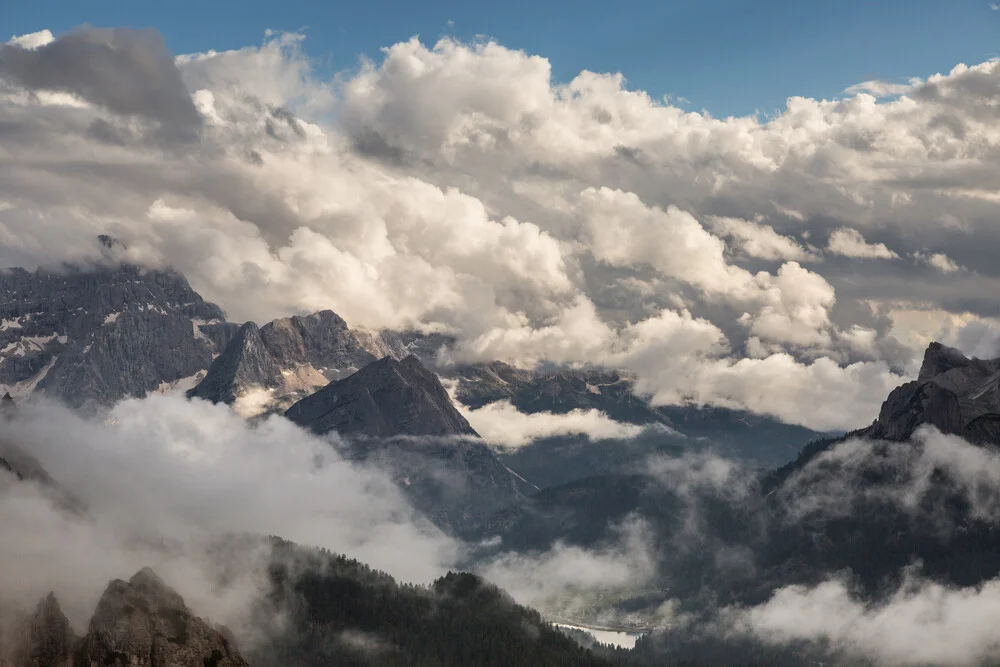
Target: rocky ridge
x,y
289,358
92,337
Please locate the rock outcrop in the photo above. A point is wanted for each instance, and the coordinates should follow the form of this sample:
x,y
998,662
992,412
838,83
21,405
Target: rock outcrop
x,y
384,399
958,395
145,622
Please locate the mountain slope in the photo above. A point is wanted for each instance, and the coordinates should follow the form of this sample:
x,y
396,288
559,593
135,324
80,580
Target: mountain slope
x,y
384,399
398,416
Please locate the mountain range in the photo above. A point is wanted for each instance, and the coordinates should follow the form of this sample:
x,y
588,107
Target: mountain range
x,y
759,506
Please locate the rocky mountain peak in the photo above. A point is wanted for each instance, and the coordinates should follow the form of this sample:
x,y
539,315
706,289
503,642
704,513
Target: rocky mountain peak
x,y
386,398
145,622
956,394
939,359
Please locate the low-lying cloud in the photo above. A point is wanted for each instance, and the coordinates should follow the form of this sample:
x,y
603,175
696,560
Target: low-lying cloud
x,y
922,623
164,477
502,424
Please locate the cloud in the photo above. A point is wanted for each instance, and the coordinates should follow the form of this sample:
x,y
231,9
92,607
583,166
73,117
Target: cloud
x,y
851,243
127,71
457,187
32,40
565,579
922,623
939,261
165,477
761,241
882,88
500,423
921,467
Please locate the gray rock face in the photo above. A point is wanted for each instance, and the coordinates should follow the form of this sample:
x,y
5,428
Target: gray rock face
x,y
384,399
916,403
958,395
145,622
94,337
245,362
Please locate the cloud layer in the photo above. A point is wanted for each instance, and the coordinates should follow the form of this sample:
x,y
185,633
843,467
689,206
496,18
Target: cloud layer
x,y
457,187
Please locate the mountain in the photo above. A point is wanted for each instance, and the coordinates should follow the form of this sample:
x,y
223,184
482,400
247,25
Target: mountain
x,y
92,337
321,340
682,529
398,416
956,394
384,399
583,513
145,622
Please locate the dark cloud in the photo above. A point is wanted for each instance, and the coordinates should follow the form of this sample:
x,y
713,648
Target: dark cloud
x,y
129,72
374,145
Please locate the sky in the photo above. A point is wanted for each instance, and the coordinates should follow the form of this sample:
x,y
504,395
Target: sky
x,y
794,265
729,57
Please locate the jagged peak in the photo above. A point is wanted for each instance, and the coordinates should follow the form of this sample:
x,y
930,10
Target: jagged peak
x,y
940,358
